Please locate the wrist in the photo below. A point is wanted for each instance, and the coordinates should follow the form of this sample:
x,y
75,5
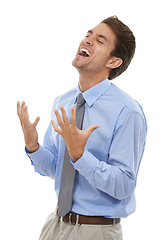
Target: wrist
x,y
33,148
76,157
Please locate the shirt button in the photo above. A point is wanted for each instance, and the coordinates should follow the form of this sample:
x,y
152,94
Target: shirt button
x,y
79,169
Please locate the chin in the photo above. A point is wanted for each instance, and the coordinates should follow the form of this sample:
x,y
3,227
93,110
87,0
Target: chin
x,y
76,64
73,63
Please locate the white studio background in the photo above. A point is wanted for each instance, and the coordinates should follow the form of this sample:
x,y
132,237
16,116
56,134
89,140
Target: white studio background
x,y
38,40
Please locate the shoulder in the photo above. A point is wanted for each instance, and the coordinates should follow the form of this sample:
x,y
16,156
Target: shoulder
x,y
124,100
125,106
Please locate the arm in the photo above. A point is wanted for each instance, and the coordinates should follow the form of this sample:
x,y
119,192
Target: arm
x,y
118,176
43,158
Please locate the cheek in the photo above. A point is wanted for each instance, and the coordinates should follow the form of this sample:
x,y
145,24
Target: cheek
x,y
103,54
107,51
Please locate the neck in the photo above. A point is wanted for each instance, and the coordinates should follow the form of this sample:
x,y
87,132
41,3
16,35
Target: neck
x,y
87,81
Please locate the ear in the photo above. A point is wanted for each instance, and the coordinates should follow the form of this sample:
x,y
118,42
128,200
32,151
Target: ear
x,y
114,62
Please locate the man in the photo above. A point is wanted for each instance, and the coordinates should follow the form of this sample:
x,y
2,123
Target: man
x,y
103,151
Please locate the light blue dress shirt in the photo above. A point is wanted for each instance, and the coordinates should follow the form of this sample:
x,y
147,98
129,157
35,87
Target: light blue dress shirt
x,y
107,172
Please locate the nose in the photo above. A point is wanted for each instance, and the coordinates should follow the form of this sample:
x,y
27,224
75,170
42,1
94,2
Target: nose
x,y
89,40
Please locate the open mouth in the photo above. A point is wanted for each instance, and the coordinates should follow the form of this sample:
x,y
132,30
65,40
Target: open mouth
x,y
84,52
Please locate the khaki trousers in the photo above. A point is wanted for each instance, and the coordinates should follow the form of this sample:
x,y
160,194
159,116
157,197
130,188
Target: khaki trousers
x,y
55,229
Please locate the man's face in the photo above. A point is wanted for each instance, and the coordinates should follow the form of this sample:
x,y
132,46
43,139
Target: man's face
x,y
94,50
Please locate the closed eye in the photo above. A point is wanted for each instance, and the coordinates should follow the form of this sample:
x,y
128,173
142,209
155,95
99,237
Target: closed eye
x,y
99,41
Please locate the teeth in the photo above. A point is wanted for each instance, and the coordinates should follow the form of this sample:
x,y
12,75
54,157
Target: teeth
x,y
85,50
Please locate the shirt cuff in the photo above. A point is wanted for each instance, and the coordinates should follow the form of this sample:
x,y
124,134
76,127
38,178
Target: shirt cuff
x,y
36,156
86,164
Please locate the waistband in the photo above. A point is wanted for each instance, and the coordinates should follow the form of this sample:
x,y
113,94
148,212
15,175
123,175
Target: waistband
x,y
81,219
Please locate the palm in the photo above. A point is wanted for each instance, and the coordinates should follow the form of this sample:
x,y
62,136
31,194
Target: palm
x,y
74,138
29,129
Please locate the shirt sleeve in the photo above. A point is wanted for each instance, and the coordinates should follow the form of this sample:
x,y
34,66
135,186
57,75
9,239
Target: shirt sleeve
x,y
45,158
117,177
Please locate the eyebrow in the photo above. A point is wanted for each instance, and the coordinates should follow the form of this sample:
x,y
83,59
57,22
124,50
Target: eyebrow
x,y
99,35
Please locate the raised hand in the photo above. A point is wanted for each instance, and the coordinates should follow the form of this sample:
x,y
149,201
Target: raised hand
x,y
29,129
74,138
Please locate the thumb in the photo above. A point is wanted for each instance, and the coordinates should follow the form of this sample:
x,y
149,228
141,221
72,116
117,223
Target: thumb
x,y
91,129
36,121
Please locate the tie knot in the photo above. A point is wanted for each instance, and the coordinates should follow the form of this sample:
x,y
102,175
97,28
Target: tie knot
x,y
80,100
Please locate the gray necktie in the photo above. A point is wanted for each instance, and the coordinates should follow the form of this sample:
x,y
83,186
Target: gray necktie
x,y
68,172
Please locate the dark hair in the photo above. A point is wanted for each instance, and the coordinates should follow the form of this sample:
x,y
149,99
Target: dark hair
x,y
124,45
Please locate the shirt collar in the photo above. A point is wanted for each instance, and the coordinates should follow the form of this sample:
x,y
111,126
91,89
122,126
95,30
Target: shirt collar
x,y
94,93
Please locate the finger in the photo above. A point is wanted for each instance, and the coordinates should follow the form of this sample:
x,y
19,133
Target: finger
x,y
56,128
73,117
60,122
24,112
91,129
64,115
19,111
36,121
